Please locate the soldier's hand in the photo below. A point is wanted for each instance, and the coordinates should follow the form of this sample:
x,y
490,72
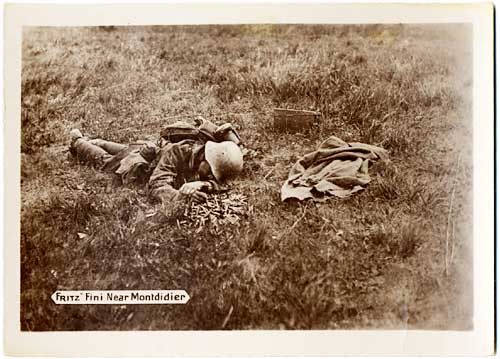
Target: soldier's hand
x,y
190,188
199,196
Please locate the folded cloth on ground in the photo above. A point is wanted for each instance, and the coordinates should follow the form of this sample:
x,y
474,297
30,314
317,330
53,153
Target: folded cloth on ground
x,y
336,168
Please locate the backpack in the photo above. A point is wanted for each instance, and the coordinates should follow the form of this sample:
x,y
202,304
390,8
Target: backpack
x,y
204,131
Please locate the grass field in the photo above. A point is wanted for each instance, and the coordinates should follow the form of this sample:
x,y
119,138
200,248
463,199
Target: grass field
x,y
397,255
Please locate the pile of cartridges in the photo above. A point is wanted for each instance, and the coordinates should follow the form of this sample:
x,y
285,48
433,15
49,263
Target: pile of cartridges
x,y
219,211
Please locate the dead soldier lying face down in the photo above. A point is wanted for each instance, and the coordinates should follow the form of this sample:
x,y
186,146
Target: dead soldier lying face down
x,y
187,163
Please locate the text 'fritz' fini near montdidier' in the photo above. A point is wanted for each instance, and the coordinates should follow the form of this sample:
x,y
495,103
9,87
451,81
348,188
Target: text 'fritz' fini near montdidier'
x,y
120,297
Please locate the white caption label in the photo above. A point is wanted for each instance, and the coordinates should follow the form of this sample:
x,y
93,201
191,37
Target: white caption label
x,y
120,297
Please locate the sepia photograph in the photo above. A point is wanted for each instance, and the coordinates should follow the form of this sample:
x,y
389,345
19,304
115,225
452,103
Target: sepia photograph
x,y
284,176
263,177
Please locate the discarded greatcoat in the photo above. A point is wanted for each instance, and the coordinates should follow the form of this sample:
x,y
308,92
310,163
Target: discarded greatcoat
x,y
337,168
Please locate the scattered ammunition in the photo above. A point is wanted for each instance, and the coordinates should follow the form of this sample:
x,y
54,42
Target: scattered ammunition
x,y
219,210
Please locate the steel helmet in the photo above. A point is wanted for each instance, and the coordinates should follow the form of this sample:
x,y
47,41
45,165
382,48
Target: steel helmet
x,y
225,159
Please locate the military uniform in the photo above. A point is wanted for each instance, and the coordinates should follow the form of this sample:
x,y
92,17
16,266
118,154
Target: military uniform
x,y
168,166
178,164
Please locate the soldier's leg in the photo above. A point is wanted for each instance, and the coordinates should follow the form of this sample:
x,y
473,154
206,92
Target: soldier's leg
x,y
88,152
96,151
110,147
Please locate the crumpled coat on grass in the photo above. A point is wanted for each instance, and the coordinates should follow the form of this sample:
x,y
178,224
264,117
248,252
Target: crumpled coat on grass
x,y
337,168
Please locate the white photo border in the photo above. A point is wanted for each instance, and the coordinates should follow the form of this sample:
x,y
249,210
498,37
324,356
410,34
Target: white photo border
x,y
479,341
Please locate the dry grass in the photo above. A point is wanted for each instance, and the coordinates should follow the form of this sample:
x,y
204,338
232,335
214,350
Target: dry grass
x,y
374,260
